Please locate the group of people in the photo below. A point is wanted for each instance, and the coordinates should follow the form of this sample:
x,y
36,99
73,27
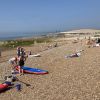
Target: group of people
x,y
16,62
19,60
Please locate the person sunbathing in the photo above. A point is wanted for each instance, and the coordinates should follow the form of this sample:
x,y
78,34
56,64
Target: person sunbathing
x,y
73,55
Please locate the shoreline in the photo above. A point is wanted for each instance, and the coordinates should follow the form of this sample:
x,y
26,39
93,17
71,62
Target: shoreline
x,y
24,35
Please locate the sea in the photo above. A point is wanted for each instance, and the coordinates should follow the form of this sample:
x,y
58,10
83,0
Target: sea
x,y
12,36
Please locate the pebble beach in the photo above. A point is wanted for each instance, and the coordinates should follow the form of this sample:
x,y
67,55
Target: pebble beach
x,y
68,79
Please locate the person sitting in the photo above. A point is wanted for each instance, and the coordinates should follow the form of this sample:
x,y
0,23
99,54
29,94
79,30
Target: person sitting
x,y
30,53
56,45
9,79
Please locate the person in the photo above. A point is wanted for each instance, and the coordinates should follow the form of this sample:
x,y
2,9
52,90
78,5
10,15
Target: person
x,y
30,53
77,54
21,63
0,53
18,51
56,45
13,62
22,52
9,79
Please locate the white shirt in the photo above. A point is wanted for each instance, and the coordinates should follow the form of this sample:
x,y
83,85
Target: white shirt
x,y
12,60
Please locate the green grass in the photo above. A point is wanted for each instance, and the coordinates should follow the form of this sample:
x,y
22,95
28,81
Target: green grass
x,y
42,40
15,43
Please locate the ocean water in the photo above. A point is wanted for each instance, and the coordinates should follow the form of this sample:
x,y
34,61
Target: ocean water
x,y
11,36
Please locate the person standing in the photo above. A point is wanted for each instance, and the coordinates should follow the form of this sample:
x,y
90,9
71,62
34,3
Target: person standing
x,y
18,51
0,53
21,63
22,52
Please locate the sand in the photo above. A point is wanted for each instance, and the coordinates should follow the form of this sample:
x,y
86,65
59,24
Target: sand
x,y
68,79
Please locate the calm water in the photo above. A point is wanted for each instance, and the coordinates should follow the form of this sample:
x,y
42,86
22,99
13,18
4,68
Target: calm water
x,y
8,36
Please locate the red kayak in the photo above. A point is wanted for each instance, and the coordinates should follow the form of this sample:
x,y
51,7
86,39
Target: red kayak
x,y
3,87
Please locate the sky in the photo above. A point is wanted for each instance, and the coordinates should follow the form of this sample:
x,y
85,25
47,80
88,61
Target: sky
x,y
48,15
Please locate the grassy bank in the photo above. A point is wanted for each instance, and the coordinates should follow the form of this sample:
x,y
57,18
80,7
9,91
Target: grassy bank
x,y
23,42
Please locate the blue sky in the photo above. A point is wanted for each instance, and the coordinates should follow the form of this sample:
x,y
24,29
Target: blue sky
x,y
48,15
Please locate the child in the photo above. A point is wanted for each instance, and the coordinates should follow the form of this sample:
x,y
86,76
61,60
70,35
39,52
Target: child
x,y
21,64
